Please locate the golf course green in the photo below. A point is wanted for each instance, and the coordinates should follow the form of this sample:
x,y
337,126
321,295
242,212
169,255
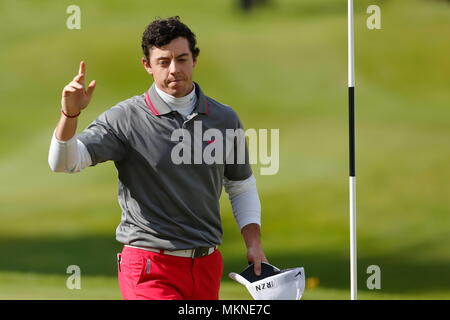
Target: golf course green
x,y
282,66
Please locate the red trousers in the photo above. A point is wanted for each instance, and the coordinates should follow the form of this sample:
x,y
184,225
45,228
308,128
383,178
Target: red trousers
x,y
145,275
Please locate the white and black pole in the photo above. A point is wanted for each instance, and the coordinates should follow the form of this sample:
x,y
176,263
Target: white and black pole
x,y
352,180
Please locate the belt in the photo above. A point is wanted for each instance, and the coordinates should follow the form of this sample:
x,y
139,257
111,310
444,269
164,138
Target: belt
x,y
188,253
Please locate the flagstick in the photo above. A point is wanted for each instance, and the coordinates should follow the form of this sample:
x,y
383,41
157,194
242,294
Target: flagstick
x,y
352,180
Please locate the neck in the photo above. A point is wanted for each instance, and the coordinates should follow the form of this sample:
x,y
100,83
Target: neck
x,y
187,101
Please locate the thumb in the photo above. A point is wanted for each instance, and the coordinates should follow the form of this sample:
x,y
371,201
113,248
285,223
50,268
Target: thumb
x,y
90,89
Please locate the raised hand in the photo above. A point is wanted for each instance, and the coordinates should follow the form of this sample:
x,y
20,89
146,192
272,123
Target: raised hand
x,y
74,97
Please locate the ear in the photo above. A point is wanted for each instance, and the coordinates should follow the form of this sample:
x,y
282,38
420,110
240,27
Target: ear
x,y
147,65
195,62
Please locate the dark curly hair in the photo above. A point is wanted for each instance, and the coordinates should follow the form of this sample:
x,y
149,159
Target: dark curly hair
x,y
162,31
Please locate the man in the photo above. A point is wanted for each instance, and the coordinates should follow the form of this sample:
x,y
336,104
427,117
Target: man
x,y
170,225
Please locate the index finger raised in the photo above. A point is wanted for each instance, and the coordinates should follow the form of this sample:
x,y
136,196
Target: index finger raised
x,y
82,68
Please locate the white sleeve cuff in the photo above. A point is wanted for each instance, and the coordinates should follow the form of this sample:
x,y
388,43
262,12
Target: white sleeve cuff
x,y
68,156
244,201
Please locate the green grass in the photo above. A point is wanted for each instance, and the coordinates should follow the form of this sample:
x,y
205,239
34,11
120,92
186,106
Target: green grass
x,y
281,67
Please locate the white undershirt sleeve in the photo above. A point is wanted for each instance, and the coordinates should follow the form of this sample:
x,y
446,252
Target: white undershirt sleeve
x,y
244,200
68,156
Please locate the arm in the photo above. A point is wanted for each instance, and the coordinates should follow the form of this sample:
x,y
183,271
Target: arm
x,y
68,156
247,213
74,99
255,253
66,153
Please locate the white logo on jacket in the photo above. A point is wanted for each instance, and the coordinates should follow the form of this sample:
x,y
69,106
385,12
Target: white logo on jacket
x,y
209,148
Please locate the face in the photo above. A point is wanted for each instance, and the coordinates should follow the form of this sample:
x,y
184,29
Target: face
x,y
171,67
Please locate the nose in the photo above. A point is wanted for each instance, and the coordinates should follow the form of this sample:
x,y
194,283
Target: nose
x,y
173,68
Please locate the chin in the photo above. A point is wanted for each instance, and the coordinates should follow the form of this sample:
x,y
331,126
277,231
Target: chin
x,y
176,90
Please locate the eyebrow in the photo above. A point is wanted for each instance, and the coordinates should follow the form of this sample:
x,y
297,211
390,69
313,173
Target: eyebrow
x,y
182,55
177,57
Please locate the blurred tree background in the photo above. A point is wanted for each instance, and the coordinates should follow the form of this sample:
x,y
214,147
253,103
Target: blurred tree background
x,y
280,65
